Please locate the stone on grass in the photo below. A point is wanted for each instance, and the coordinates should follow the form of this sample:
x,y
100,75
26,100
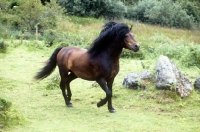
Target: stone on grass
x,y
168,76
197,83
136,80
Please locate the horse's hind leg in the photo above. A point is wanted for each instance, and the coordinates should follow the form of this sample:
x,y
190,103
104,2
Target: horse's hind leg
x,y
70,77
65,83
63,75
62,87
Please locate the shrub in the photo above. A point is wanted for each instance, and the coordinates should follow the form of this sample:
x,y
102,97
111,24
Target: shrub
x,y
142,6
131,13
3,46
160,44
98,8
114,9
191,8
4,108
50,36
164,13
130,54
8,116
192,56
53,82
64,39
4,104
167,13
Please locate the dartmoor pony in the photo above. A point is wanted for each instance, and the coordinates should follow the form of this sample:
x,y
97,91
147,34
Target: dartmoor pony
x,y
99,63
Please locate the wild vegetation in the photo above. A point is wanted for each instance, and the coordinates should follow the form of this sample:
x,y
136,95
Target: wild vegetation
x,y
27,105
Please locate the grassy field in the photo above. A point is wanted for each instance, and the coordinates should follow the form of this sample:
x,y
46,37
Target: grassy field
x,y
38,106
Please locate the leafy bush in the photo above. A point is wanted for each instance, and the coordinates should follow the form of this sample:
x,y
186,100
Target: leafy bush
x,y
4,104
131,13
98,8
164,13
160,44
191,8
167,13
114,9
4,108
64,39
141,7
130,54
50,37
8,116
192,56
34,45
53,82
3,46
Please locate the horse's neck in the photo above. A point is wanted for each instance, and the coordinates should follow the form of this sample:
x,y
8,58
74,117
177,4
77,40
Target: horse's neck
x,y
114,53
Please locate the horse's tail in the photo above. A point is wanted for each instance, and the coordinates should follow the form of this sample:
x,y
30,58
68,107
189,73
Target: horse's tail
x,y
50,66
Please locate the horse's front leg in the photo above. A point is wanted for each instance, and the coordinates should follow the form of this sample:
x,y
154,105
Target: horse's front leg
x,y
110,107
108,97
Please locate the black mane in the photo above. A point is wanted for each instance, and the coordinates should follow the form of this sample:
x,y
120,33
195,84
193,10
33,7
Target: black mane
x,y
107,26
112,33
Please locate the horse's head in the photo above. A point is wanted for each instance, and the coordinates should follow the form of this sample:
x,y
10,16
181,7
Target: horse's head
x,y
130,42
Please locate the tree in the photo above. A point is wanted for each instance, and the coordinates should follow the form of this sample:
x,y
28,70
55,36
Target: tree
x,y
96,8
32,13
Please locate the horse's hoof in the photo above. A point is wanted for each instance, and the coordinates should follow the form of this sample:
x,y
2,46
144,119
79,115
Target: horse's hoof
x,y
112,110
98,104
69,105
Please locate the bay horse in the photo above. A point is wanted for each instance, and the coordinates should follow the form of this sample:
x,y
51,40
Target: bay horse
x,y
99,63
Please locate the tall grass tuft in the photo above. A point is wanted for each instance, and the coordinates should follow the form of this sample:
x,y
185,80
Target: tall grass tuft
x,y
8,116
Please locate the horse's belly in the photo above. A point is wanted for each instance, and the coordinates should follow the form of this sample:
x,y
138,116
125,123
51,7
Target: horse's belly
x,y
82,68
84,73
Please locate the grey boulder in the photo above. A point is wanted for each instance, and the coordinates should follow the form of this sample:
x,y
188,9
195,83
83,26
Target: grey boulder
x,y
168,76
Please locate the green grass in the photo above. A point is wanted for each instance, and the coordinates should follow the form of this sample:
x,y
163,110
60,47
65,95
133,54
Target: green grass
x,y
43,109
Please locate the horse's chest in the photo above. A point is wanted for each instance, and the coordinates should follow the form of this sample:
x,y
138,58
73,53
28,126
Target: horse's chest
x,y
112,70
115,69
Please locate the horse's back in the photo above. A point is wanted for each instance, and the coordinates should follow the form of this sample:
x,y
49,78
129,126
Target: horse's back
x,y
67,55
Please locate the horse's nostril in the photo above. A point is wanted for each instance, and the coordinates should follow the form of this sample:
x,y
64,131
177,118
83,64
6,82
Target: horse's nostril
x,y
137,46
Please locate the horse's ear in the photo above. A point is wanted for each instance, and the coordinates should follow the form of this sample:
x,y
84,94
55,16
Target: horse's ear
x,y
131,27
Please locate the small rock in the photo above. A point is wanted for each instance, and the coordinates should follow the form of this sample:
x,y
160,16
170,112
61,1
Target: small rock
x,y
197,83
136,80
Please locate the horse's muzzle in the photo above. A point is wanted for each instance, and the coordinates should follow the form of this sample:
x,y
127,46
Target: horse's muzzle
x,y
136,47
